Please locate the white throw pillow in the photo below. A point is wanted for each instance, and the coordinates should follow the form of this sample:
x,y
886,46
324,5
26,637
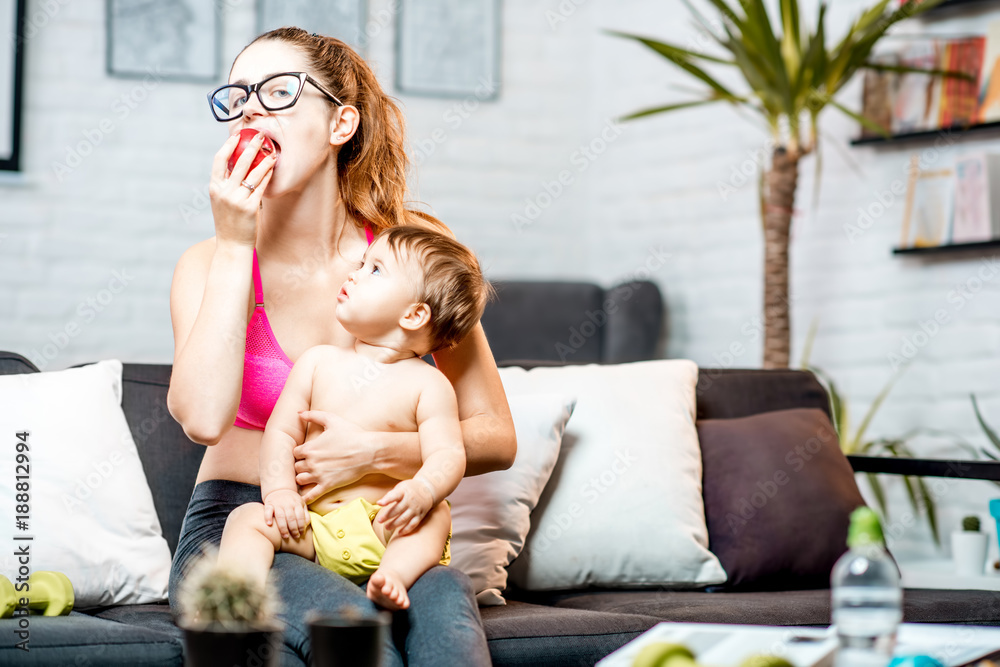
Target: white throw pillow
x,y
491,513
91,514
625,508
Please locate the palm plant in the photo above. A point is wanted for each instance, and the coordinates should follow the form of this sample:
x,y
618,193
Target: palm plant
x,y
791,78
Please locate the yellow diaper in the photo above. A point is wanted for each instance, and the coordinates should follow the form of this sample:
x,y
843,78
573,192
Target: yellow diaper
x,y
347,544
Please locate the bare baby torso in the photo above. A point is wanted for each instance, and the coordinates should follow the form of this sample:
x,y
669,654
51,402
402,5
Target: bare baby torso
x,y
375,397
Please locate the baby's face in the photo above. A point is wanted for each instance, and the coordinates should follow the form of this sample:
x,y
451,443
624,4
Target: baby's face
x,y
377,293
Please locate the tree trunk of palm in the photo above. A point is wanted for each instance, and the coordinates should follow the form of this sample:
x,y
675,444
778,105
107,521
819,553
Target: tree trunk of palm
x,y
779,198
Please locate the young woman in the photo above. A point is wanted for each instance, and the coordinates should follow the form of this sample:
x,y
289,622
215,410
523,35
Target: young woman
x,y
247,302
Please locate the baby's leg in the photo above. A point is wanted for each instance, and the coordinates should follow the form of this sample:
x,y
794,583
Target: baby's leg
x,y
407,557
249,544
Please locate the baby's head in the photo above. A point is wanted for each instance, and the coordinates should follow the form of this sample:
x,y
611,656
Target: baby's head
x,y
421,281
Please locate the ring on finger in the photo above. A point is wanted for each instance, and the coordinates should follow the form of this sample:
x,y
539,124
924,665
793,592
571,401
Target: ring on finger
x,y
248,186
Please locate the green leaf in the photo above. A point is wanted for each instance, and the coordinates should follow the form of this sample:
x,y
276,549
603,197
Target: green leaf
x,y
669,50
990,433
903,69
931,507
879,494
876,404
867,122
670,107
810,339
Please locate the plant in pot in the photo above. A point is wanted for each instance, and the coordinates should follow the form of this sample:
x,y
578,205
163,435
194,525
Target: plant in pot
x,y
790,76
968,547
228,618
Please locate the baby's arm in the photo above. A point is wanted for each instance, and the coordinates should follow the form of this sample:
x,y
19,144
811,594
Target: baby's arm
x,y
283,432
443,454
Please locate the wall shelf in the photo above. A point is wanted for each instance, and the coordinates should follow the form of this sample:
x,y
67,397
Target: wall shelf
x,y
948,247
925,134
951,5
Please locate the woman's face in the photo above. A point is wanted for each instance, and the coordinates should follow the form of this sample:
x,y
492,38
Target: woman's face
x,y
302,132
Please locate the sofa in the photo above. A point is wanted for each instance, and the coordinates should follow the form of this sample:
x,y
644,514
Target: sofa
x,y
568,627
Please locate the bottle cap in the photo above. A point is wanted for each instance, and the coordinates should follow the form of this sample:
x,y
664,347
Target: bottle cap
x,y
865,528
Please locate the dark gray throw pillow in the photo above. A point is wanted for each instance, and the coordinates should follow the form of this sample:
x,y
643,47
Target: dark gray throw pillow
x,y
778,497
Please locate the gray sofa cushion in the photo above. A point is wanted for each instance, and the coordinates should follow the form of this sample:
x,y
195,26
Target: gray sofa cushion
x,y
522,634
79,639
574,322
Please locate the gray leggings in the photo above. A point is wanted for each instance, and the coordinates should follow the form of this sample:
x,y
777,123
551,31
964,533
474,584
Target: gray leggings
x,y
441,626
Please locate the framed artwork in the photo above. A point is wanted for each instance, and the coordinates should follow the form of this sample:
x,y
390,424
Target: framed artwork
x,y
343,19
11,84
174,39
449,48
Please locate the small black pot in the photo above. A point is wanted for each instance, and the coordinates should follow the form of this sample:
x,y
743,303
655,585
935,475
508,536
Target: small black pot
x,y
213,646
348,641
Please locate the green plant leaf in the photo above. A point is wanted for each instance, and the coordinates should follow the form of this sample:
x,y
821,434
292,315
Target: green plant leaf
x,y
903,69
670,107
931,508
876,404
990,433
808,346
867,122
879,494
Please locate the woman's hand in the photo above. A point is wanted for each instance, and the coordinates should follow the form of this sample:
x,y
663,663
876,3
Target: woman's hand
x,y
235,206
341,454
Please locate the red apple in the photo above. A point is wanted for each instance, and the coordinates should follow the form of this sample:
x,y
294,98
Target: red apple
x,y
266,148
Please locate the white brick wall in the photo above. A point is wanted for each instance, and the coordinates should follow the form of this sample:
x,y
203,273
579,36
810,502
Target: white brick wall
x,y
136,201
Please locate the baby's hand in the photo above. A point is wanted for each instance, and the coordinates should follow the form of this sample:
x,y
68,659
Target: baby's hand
x,y
405,506
289,510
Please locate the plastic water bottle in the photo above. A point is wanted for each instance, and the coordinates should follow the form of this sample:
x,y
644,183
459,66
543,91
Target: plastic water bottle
x,y
867,602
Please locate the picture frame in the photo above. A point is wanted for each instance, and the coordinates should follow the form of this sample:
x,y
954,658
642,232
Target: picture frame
x,y
177,40
12,85
449,48
344,19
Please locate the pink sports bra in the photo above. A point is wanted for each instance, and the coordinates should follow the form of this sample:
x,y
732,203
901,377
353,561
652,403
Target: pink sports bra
x,y
265,364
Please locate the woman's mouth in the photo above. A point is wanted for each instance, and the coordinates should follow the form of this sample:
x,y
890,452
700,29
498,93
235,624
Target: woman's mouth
x,y
343,294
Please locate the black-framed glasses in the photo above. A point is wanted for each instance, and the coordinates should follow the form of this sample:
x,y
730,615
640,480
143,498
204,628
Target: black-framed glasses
x,y
276,92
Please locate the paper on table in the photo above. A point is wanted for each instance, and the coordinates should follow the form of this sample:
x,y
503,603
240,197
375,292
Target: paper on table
x,y
723,645
951,645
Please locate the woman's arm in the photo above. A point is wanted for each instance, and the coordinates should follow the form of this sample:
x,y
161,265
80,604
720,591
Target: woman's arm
x,y
208,309
208,301
487,426
487,429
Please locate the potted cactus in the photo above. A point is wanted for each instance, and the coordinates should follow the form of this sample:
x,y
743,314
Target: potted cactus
x,y
968,547
227,617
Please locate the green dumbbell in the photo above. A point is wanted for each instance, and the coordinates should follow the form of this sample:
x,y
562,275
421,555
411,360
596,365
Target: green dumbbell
x,y
8,598
664,654
48,593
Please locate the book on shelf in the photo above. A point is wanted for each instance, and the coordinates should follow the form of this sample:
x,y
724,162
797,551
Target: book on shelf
x,y
989,87
960,97
906,102
916,97
977,199
876,103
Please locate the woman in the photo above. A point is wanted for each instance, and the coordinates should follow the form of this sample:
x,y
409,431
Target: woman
x,y
246,303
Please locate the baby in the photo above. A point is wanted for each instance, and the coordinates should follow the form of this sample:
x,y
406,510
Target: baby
x,y
416,292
